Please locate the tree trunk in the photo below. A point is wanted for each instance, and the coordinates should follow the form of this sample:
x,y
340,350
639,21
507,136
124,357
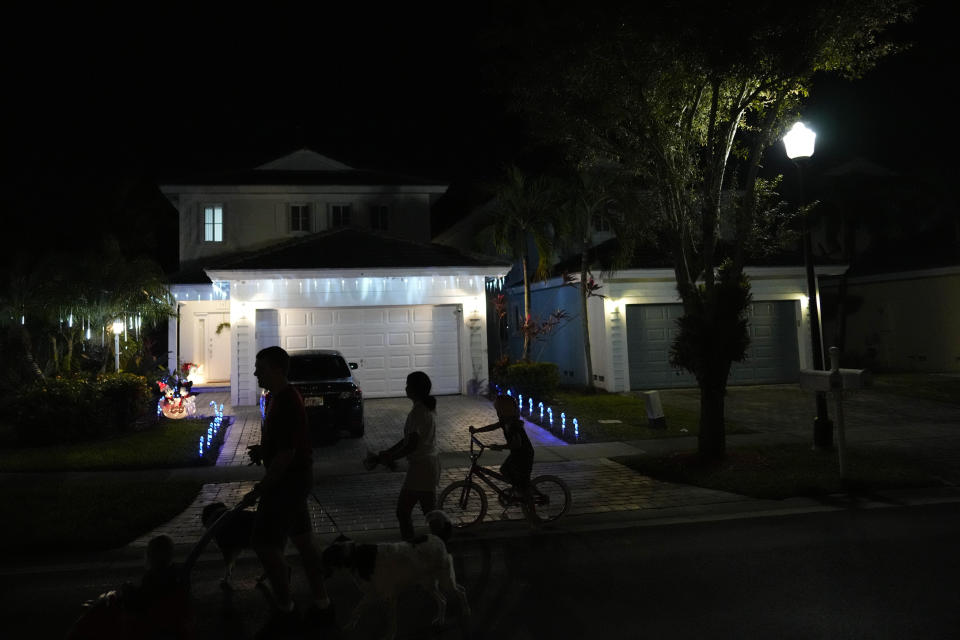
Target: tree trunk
x,y
54,355
31,364
68,357
584,296
711,441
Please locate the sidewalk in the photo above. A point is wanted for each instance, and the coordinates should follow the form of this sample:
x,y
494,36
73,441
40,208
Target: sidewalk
x,y
363,502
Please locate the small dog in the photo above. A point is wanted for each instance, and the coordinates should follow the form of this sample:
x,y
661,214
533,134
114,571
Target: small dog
x,y
232,537
382,571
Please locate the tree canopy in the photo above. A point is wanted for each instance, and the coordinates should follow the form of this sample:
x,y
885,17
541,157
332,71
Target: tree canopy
x,y
688,97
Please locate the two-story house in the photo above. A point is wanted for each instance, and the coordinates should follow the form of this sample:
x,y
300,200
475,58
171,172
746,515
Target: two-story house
x,y
308,253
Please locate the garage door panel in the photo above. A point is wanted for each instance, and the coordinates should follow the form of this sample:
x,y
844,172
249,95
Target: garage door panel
x,y
295,319
373,316
321,342
294,343
349,340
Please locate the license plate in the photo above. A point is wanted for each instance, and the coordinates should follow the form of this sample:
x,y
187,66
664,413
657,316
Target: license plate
x,y
313,402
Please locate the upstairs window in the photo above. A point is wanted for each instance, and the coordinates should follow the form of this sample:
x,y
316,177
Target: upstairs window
x,y
299,217
379,217
213,223
339,215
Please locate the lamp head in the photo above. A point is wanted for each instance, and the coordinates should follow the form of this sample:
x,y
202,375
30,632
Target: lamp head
x,y
118,326
799,141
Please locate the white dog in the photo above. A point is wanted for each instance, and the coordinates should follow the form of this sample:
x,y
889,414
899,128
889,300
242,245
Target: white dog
x,y
382,571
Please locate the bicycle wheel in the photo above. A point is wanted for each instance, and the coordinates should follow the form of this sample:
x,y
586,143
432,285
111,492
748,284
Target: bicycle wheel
x,y
551,499
465,504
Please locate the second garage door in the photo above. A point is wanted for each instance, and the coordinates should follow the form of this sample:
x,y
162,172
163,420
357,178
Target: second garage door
x,y
386,342
771,357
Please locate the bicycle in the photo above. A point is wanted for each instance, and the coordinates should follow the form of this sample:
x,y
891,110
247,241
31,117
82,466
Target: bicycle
x,y
465,501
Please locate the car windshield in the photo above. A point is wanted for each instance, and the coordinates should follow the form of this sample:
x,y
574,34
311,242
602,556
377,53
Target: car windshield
x,y
323,367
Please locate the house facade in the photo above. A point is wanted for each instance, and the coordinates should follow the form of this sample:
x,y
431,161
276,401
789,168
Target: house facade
x,y
633,325
633,320
306,252
902,320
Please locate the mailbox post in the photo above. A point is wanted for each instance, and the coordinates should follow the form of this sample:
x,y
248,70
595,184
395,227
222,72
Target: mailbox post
x,y
836,381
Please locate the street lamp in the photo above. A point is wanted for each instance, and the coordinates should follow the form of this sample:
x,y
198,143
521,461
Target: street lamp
x,y
118,326
799,143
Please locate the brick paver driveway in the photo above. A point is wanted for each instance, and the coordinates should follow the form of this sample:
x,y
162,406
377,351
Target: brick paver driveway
x,y
360,500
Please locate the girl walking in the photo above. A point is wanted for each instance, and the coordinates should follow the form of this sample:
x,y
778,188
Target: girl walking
x,y
419,446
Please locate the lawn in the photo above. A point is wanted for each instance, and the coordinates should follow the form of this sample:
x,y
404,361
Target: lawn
x,y
590,409
929,386
169,443
48,515
788,470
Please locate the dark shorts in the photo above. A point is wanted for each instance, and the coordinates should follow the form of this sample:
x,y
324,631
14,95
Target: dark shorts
x,y
517,468
280,515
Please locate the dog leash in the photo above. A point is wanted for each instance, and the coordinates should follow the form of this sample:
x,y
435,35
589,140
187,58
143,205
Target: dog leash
x,y
327,511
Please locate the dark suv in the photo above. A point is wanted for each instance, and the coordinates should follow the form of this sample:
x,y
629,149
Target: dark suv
x,y
333,400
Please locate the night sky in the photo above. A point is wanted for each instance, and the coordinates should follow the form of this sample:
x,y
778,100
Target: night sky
x,y
98,107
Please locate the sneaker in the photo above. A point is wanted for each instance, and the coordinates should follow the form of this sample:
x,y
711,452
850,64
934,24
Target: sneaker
x,y
280,624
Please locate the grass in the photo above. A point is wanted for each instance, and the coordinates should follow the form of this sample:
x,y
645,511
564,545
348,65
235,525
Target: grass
x,y
169,443
788,470
589,409
928,386
48,515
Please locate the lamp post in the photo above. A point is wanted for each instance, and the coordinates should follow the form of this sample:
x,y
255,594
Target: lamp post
x,y
118,326
799,144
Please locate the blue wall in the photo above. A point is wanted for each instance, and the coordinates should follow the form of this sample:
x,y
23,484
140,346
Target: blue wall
x,y
564,347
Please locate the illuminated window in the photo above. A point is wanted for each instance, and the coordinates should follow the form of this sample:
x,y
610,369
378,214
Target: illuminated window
x,y
213,223
339,215
299,217
379,217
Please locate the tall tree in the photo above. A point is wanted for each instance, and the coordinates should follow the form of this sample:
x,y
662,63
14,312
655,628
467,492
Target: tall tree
x,y
597,194
690,100
523,206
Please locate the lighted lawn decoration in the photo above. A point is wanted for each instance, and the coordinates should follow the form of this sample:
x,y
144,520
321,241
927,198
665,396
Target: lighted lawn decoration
x,y
176,398
545,421
209,443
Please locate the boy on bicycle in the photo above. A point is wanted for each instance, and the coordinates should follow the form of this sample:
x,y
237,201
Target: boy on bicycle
x,y
518,465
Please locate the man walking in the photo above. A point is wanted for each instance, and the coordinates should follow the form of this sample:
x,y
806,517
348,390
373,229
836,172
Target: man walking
x,y
282,511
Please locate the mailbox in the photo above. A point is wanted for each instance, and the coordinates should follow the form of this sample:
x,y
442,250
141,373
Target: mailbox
x,y
813,380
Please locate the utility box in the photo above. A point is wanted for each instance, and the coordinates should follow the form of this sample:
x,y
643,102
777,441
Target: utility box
x,y
655,417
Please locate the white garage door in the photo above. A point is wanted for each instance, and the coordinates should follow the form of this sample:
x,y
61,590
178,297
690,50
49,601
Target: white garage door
x,y
386,342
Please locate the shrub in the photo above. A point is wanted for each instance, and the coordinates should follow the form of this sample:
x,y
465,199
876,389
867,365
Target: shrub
x,y
72,409
56,410
123,398
537,379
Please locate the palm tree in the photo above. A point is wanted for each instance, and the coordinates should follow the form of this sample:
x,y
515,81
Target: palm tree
x,y
522,210
596,194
